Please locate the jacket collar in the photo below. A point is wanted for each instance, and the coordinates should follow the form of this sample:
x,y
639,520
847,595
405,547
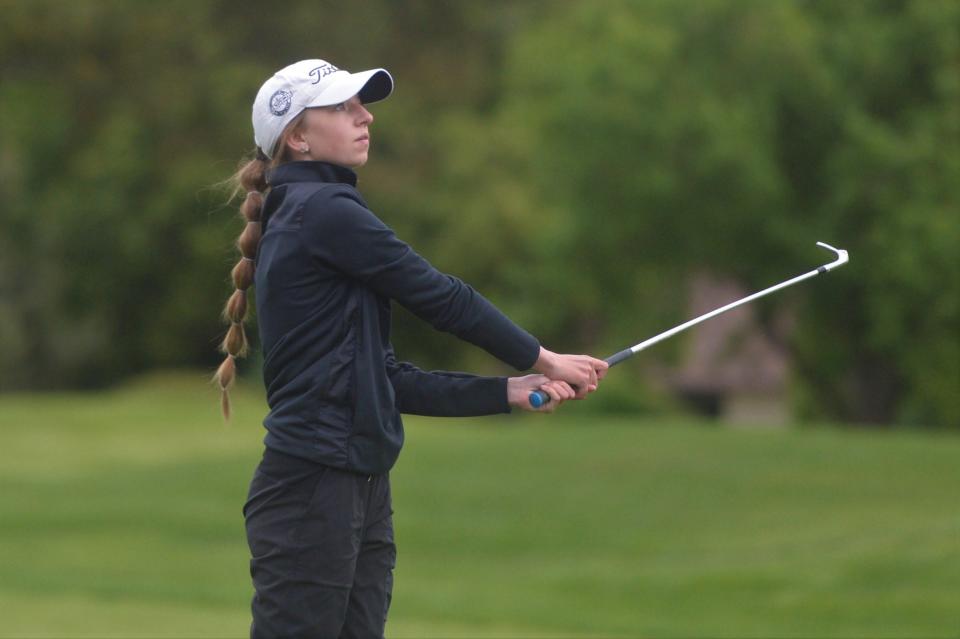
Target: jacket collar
x,y
311,171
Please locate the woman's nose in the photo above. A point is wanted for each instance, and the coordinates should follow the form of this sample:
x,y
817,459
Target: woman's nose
x,y
365,116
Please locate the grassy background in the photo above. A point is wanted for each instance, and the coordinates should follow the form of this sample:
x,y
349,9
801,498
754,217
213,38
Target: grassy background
x,y
120,517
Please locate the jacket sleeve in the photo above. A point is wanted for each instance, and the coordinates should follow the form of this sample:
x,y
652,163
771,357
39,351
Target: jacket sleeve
x,y
340,231
445,394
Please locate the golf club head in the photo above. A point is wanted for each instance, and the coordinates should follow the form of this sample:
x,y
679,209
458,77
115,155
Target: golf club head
x,y
842,257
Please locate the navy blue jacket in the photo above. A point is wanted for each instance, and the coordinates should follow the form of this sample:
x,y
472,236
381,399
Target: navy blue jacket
x,y
326,271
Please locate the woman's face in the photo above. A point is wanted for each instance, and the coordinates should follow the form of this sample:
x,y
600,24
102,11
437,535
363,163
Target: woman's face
x,y
338,134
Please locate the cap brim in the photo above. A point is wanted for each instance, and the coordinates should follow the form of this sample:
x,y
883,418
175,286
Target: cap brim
x,y
370,86
379,85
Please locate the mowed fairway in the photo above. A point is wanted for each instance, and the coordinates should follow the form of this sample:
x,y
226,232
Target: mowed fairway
x,y
120,517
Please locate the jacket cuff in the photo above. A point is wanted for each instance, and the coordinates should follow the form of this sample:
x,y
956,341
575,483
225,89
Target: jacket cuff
x,y
502,382
531,354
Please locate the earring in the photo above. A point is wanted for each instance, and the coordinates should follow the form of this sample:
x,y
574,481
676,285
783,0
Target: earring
x,y
304,149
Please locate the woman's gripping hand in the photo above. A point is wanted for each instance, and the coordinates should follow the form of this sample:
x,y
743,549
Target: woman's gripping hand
x,y
519,389
582,372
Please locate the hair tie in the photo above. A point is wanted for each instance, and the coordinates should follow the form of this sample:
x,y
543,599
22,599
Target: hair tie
x,y
244,257
262,156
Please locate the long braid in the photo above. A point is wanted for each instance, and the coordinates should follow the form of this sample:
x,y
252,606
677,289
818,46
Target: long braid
x,y
252,178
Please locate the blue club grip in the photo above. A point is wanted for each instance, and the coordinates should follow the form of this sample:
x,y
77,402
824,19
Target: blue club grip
x,y
538,398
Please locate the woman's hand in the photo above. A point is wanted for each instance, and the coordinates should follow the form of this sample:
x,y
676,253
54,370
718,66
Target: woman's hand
x,y
519,389
580,371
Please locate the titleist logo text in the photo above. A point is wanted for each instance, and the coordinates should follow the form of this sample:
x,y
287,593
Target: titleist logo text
x,y
322,71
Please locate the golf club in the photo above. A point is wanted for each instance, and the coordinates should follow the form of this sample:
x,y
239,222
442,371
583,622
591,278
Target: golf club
x,y
539,398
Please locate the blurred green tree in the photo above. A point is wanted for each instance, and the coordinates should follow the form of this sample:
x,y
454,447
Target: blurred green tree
x,y
576,162
636,143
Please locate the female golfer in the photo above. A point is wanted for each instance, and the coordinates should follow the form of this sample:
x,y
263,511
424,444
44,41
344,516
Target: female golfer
x,y
318,514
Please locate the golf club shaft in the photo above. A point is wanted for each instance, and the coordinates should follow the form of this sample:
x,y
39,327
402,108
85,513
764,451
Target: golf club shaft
x,y
538,398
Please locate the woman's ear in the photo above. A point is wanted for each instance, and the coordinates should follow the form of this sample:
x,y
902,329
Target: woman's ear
x,y
295,141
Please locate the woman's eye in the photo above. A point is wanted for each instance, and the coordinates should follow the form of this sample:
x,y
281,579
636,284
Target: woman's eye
x,y
340,107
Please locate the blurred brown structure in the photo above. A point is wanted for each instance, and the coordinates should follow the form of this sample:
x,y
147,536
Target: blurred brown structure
x,y
733,368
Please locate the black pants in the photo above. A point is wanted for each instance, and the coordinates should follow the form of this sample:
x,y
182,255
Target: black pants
x,y
321,541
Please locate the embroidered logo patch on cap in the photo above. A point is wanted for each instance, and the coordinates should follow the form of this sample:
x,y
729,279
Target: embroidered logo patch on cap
x,y
280,102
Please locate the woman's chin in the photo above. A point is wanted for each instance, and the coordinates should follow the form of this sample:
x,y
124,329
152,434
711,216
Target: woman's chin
x,y
359,161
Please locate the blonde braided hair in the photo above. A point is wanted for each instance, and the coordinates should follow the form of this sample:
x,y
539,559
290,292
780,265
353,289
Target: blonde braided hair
x,y
250,178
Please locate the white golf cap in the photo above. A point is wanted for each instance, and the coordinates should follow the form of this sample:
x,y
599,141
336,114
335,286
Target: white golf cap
x,y
305,84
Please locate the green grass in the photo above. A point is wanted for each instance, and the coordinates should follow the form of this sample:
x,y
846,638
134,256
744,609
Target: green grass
x,y
120,517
